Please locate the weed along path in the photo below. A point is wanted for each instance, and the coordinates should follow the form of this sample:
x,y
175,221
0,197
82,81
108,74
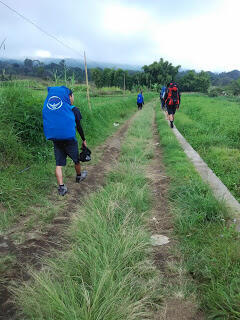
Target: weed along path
x,y
22,250
176,304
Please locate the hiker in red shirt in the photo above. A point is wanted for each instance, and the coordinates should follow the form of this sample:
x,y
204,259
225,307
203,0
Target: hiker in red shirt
x,y
172,99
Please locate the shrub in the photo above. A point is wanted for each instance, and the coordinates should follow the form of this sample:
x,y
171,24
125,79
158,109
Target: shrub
x,y
215,92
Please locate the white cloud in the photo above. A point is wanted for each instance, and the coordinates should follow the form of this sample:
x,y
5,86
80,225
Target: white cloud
x,y
123,20
196,34
208,42
43,54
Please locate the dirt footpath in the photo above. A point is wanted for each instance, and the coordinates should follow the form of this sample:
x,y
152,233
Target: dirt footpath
x,y
175,306
28,254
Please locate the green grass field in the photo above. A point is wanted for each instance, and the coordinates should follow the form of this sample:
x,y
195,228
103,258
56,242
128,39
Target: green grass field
x,y
211,126
108,272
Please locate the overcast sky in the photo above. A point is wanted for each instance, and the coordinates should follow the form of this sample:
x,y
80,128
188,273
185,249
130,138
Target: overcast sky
x,y
196,34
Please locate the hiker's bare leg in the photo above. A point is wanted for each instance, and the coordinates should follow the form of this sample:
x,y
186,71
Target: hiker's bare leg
x,y
59,175
171,118
78,168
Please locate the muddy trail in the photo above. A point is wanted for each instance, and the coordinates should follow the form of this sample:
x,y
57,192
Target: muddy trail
x,y
37,245
175,306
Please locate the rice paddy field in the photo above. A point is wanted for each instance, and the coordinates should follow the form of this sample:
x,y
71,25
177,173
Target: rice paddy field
x,y
211,126
99,262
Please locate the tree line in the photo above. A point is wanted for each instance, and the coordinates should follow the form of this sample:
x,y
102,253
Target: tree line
x,y
36,68
151,76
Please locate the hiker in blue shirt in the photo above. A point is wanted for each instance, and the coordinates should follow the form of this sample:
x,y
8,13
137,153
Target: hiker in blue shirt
x,y
140,100
162,93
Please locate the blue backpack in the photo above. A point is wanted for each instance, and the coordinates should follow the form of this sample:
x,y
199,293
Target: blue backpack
x,y
58,117
163,90
139,98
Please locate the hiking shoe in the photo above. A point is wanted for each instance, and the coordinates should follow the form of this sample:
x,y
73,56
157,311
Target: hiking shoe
x,y
81,177
62,190
171,124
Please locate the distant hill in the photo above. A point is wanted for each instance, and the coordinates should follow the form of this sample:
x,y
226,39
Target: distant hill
x,y
224,78
80,63
218,79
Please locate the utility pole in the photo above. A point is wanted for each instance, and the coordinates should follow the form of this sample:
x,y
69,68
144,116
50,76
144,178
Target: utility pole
x,y
86,74
124,83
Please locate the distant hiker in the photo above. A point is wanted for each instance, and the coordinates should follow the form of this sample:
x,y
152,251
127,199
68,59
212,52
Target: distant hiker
x,y
172,100
60,120
162,93
140,100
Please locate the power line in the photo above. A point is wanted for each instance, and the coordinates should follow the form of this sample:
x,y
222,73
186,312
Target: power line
x,y
40,28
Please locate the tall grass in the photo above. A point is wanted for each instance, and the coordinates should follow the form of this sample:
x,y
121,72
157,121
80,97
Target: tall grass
x,y
23,146
108,273
211,125
210,247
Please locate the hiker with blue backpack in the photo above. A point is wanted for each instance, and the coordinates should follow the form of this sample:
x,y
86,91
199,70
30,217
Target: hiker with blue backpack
x,y
140,100
60,120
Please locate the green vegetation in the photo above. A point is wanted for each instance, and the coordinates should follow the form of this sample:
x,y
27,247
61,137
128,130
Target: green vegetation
x,y
108,273
194,82
210,247
27,165
211,125
230,90
235,87
153,76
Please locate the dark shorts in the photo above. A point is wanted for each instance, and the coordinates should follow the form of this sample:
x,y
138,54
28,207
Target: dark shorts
x,y
140,105
65,148
171,109
163,103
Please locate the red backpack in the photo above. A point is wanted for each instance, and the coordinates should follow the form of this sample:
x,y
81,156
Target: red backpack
x,y
172,95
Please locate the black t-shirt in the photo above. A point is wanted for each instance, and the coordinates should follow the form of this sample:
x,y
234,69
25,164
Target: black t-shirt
x,y
78,118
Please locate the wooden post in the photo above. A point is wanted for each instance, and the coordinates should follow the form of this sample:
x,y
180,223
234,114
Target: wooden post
x,y
88,97
124,83
2,45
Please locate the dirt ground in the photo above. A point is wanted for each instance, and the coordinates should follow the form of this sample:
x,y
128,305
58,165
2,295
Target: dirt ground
x,y
39,244
175,306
